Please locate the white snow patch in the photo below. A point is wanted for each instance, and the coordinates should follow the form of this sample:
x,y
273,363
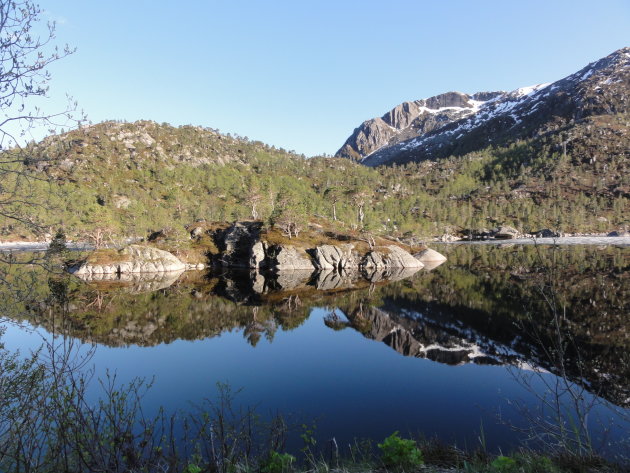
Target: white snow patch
x,y
587,74
523,91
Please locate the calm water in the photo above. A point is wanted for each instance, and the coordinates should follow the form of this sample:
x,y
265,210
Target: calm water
x,y
443,353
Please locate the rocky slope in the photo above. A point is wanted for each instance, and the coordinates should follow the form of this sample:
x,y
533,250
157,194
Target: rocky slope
x,y
411,119
601,88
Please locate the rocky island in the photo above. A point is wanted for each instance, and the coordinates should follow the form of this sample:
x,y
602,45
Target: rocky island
x,y
252,246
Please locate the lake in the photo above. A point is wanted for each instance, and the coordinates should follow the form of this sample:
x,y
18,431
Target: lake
x,y
469,350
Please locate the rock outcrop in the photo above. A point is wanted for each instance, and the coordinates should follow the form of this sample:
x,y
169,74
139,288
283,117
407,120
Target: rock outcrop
x,y
390,256
411,119
285,257
546,233
429,256
133,259
243,245
236,244
257,255
506,233
335,257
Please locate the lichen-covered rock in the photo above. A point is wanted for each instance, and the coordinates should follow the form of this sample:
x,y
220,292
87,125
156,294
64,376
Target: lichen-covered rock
x,y
283,257
257,255
429,255
133,259
334,257
390,256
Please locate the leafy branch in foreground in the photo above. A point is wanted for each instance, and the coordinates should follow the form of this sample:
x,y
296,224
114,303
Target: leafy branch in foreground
x,y
27,50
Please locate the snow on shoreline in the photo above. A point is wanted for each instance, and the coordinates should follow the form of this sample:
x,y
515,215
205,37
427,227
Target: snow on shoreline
x,y
577,240
38,246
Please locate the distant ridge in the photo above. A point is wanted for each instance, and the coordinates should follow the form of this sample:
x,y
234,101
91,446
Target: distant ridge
x,y
456,123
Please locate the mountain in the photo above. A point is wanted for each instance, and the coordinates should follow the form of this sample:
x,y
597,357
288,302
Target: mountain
x,y
544,157
411,119
454,124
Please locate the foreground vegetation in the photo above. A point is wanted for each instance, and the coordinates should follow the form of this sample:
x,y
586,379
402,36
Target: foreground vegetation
x,y
49,422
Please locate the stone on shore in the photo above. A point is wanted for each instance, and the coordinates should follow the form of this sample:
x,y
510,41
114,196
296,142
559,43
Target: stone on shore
x,y
390,256
134,259
429,255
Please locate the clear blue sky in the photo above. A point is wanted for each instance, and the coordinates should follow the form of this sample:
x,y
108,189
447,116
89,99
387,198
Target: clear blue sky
x,y
302,75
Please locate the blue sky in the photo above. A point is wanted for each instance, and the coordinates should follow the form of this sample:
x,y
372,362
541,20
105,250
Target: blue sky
x,y
302,75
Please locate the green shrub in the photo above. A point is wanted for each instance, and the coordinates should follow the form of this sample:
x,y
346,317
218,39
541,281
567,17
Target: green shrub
x,y
399,453
192,468
277,463
541,465
503,464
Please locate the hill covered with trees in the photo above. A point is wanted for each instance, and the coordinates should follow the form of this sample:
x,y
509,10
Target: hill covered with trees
x,y
130,179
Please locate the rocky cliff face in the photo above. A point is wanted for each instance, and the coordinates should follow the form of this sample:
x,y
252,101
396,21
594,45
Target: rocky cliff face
x,y
455,124
411,119
241,245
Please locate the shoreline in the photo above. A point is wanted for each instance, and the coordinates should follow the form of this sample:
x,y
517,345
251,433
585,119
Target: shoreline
x,y
19,246
623,241
575,240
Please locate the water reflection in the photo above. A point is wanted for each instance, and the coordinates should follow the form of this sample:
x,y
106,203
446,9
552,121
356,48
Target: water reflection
x,y
485,306
490,311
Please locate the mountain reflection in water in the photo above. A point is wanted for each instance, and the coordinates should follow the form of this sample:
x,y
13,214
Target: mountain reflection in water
x,y
484,306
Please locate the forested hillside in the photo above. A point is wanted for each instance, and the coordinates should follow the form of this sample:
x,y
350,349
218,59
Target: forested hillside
x,y
128,179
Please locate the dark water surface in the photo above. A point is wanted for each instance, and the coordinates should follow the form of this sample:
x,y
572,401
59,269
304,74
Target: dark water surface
x,y
446,352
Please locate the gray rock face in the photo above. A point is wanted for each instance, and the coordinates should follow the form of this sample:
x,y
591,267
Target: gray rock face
x,y
135,259
431,265
241,246
429,255
283,257
546,233
334,257
121,201
257,255
601,88
390,256
236,244
506,233
621,233
196,233
410,119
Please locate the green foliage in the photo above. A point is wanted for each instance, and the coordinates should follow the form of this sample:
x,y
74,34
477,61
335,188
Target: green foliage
x,y
400,453
540,464
503,464
192,468
308,438
277,462
140,177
